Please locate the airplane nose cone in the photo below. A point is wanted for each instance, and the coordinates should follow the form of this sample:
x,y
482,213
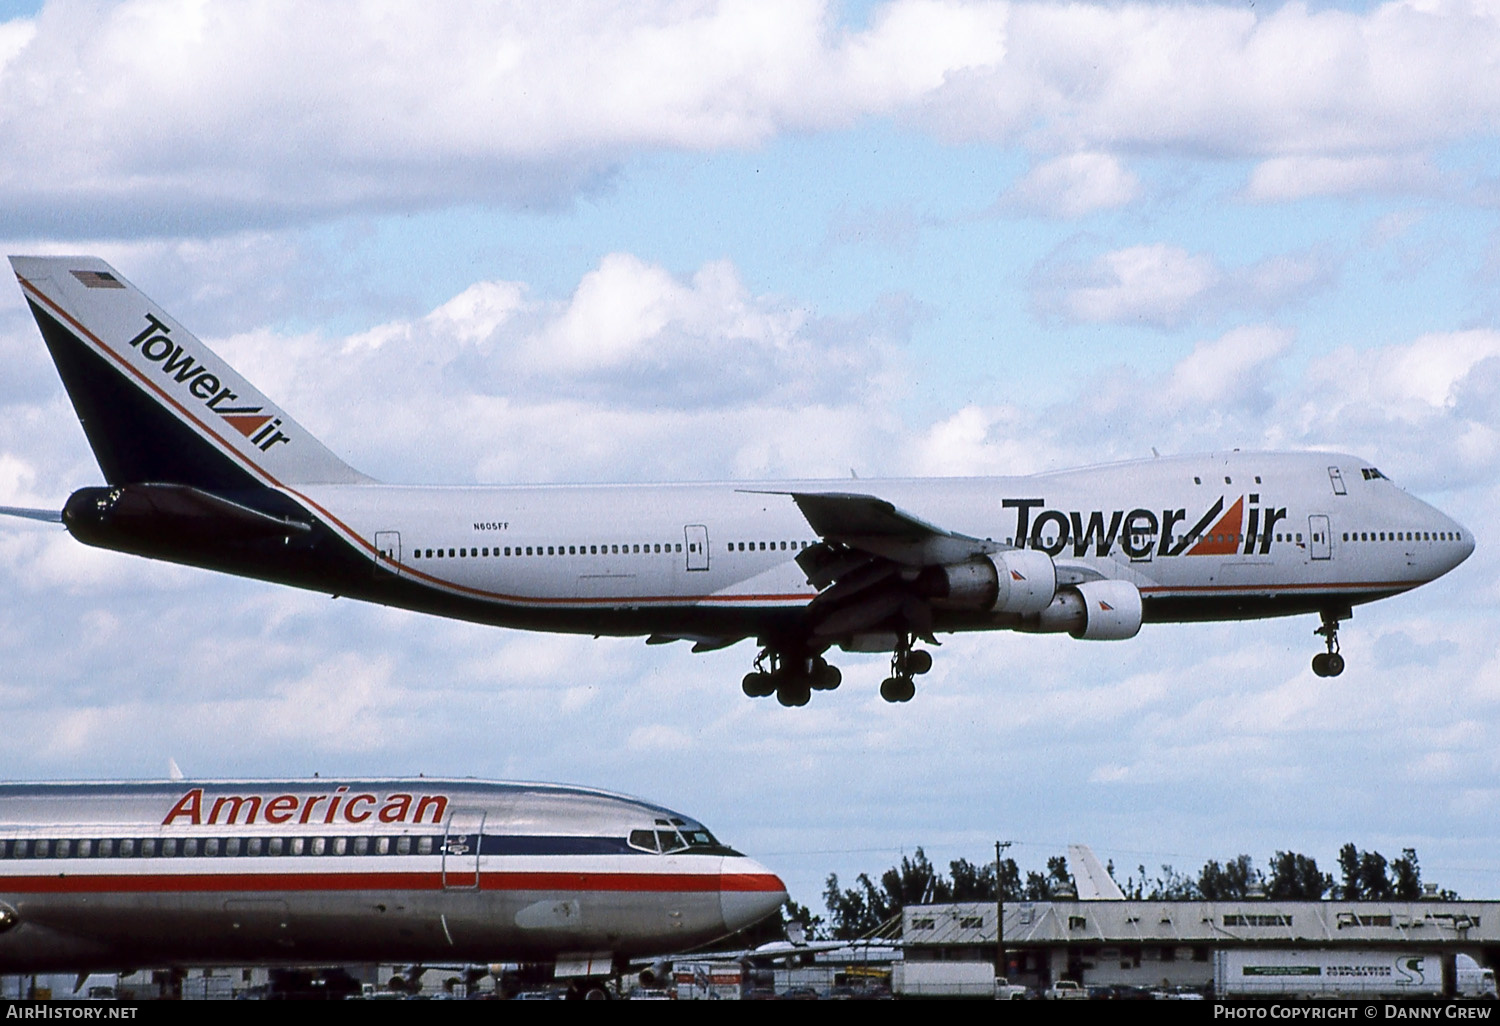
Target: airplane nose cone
x,y
748,893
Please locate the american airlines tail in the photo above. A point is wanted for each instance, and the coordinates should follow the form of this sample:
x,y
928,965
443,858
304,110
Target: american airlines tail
x,y
157,405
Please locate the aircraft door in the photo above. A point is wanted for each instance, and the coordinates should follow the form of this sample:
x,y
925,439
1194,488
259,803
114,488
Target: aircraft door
x,y
697,546
1319,537
461,850
387,552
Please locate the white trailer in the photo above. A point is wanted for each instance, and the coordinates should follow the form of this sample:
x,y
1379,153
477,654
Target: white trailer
x,y
1345,973
943,980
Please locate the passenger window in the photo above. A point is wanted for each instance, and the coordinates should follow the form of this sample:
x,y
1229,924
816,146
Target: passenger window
x,y
424,846
361,846
190,846
275,847
340,845
382,846
403,846
440,554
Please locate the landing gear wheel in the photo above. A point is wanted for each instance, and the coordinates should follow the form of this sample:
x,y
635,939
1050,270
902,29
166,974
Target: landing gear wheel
x,y
1330,663
918,662
825,676
758,685
897,689
793,693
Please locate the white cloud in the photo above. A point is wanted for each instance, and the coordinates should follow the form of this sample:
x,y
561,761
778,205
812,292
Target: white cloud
x,y
606,384
1298,177
1228,367
153,114
1075,185
1164,286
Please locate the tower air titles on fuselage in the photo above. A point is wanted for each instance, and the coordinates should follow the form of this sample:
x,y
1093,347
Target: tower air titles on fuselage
x,y
1143,532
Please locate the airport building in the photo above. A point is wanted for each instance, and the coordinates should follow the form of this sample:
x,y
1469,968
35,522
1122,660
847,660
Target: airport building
x,y
1155,943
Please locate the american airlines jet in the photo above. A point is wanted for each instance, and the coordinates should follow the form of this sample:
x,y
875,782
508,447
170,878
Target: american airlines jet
x,y
104,876
203,469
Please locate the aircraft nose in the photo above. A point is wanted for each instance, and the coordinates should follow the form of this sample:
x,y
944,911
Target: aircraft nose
x,y
748,893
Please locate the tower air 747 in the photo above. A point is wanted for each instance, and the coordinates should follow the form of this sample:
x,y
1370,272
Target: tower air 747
x,y
203,469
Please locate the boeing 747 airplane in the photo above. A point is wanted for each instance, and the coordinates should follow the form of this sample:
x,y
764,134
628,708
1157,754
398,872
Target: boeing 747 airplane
x,y
203,469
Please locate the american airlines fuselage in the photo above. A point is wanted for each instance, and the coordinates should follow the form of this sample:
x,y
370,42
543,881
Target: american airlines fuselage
x,y
99,876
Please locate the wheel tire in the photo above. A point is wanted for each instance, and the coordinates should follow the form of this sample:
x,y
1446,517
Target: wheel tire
x,y
908,689
918,662
1320,664
827,677
890,689
793,693
1334,664
757,684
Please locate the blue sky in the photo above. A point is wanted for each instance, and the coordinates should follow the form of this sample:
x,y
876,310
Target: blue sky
x,y
494,243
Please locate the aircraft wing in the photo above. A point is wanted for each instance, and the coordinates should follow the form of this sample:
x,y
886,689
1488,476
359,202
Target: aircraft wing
x,y
880,568
871,524
868,568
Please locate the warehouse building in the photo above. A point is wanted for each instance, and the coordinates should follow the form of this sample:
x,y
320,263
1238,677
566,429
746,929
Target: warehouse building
x,y
1156,943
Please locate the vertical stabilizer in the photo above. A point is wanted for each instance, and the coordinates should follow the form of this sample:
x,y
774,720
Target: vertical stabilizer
x,y
1093,880
156,404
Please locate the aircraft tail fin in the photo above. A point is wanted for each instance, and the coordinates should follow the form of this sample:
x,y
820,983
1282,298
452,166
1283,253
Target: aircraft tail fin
x,y
156,403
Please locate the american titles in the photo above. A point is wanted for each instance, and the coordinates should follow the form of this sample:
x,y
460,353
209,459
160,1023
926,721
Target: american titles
x,y
196,809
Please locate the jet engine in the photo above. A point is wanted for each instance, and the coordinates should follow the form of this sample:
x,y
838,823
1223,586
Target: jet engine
x,y
1093,611
1016,581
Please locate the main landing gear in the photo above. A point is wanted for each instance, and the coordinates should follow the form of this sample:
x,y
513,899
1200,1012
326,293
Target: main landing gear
x,y
791,679
1330,663
906,663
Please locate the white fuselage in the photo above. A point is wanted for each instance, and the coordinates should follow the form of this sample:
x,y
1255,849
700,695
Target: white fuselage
x,y
1283,530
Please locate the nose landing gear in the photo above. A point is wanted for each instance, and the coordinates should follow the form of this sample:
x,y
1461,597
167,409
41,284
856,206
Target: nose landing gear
x,y
1330,663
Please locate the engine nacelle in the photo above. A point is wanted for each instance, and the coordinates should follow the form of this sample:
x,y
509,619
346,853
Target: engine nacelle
x,y
1019,581
1094,611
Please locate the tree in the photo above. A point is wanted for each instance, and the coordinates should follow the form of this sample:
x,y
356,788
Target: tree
x,y
1297,878
914,882
971,882
1373,881
1350,889
1406,876
1229,881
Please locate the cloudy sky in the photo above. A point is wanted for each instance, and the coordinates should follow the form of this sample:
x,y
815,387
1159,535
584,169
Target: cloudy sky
x,y
487,243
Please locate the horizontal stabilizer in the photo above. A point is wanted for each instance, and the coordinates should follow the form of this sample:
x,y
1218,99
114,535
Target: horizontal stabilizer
x,y
51,516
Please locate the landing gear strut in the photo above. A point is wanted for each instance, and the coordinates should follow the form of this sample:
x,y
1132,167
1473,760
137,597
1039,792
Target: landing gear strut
x,y
1330,663
906,663
792,679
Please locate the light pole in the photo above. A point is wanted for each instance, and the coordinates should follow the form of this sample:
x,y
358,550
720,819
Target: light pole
x,y
1001,968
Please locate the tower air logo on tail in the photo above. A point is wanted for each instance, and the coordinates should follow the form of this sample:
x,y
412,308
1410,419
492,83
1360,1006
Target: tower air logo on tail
x,y
260,427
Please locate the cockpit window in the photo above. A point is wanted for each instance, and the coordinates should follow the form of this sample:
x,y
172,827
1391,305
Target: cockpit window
x,y
694,840
1371,474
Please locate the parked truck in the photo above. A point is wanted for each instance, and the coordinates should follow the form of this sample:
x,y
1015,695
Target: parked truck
x,y
1349,974
943,980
